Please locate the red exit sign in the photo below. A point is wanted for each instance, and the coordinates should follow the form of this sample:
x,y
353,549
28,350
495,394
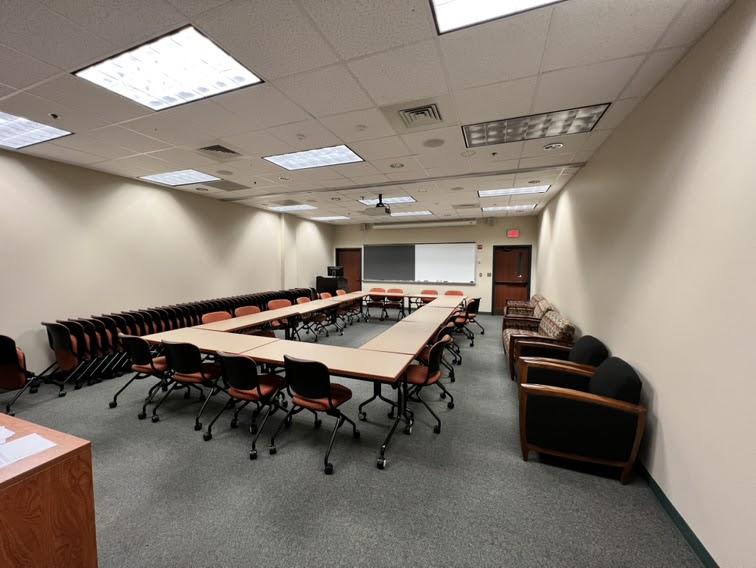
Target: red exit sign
x,y
513,233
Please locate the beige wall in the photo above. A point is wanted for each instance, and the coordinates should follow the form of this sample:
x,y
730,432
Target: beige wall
x,y
78,242
482,234
652,248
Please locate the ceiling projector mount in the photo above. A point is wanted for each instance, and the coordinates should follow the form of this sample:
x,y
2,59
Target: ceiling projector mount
x,y
379,209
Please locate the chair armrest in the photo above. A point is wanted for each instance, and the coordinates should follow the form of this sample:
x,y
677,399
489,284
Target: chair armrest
x,y
580,396
552,372
539,348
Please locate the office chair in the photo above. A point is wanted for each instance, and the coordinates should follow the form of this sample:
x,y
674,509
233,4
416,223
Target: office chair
x,y
394,303
376,299
276,305
246,311
71,357
144,365
421,376
313,322
210,317
587,351
420,302
189,371
312,389
468,316
14,375
245,385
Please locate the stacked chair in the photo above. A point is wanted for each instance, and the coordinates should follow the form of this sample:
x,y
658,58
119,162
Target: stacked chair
x,y
14,376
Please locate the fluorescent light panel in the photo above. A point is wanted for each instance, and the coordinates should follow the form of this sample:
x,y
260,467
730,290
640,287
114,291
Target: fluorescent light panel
x,y
411,213
316,158
288,208
513,191
180,177
18,132
389,200
331,218
557,123
455,14
178,68
509,208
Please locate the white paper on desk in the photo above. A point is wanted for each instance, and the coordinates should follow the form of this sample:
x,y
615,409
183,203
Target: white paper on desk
x,y
22,448
5,434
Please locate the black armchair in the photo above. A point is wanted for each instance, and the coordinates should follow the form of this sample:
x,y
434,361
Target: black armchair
x,y
582,412
586,351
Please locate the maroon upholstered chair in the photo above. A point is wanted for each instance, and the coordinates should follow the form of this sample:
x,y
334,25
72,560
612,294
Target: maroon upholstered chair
x,y
210,317
246,311
13,373
376,299
312,389
422,375
395,302
144,365
277,305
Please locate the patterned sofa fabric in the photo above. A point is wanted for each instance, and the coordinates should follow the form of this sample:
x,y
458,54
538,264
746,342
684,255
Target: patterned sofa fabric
x,y
522,307
553,327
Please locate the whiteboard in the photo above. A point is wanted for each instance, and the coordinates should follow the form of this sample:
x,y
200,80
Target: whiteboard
x,y
447,262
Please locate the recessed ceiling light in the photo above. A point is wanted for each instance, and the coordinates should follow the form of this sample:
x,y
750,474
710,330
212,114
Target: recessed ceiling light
x,y
513,191
335,198
434,142
557,123
509,208
455,14
330,218
553,146
180,177
18,132
287,208
410,213
397,165
177,68
457,188
389,200
315,158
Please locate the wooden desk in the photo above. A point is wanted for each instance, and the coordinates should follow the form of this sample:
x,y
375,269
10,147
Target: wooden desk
x,y
211,341
447,302
47,503
426,315
342,361
409,338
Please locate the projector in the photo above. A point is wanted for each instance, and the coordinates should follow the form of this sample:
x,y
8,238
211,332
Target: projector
x,y
380,208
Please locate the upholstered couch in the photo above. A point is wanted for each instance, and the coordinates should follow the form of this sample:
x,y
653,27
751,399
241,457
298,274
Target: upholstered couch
x,y
551,328
523,307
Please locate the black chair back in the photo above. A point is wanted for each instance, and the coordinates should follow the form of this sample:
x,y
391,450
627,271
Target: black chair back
x,y
183,358
472,307
12,373
615,378
588,351
137,348
434,358
308,379
239,372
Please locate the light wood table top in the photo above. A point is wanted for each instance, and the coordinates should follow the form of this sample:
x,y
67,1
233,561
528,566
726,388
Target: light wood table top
x,y
447,301
409,338
427,315
342,361
211,341
65,444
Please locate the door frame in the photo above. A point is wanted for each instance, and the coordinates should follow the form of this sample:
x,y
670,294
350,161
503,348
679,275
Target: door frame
x,y
493,269
336,257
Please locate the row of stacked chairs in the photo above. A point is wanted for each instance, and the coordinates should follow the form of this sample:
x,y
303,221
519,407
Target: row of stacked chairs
x,y
88,349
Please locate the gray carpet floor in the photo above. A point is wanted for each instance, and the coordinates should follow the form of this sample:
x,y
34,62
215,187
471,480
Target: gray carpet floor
x,y
464,497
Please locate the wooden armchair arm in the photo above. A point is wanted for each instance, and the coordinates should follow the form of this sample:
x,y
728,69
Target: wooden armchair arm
x,y
538,348
580,396
553,372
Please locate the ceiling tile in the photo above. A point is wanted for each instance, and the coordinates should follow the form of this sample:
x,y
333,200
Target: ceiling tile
x,y
594,140
77,93
305,135
616,113
181,159
402,74
5,90
588,31
262,106
445,159
258,144
193,8
656,66
493,102
388,147
368,180
94,145
580,86
541,161
358,169
134,142
481,54
19,70
360,27
125,23
134,166
693,21
359,125
62,154
272,37
410,165
572,143
441,140
36,108
32,28
325,91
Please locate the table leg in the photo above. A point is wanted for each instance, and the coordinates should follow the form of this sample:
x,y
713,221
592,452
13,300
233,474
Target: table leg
x,y
401,402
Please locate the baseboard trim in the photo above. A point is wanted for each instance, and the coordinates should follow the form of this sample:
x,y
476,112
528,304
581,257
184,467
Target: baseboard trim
x,y
693,541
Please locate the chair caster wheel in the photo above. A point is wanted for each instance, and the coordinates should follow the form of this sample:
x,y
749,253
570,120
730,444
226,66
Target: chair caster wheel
x,y
408,430
272,451
77,387
452,378
156,418
356,434
317,424
142,416
234,423
253,454
443,395
437,429
381,463
61,394
207,436
33,391
362,416
187,395
112,404
285,403
198,426
164,388
450,405
287,424
482,332
390,414
329,469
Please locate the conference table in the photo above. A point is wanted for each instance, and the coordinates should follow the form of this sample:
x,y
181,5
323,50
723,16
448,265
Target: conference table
x,y
382,360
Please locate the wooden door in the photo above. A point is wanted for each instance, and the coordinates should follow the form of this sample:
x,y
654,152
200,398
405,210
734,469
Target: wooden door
x,y
351,260
511,271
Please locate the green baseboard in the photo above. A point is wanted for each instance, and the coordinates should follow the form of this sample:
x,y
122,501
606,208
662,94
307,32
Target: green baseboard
x,y
698,547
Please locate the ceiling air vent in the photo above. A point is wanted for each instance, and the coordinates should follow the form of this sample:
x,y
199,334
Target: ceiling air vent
x,y
420,116
227,185
218,152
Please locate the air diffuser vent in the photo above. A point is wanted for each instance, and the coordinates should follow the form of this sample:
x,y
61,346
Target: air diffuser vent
x,y
226,185
420,116
219,153
285,203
